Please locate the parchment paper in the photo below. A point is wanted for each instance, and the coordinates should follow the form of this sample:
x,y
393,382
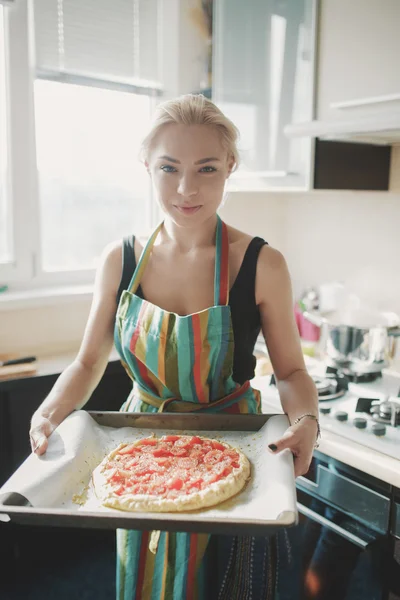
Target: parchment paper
x,y
79,444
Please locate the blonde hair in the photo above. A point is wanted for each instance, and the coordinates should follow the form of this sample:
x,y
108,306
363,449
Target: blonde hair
x,y
193,109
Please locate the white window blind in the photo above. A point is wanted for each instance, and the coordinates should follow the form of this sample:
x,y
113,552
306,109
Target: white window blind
x,y
99,42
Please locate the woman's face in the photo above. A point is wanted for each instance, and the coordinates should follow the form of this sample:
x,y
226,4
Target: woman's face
x,y
189,166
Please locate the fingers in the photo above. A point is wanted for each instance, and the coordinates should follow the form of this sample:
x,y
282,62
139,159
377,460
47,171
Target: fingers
x,y
39,443
40,431
300,466
289,440
286,441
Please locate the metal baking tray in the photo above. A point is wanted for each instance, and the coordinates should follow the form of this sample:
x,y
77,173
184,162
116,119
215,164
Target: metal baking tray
x,y
267,504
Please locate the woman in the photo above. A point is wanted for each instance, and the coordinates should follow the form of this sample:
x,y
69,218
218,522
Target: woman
x,y
185,320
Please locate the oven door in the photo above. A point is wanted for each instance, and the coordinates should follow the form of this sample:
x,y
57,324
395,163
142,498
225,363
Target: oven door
x,y
343,532
361,504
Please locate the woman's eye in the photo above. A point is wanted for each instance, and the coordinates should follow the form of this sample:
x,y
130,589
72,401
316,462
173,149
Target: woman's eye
x,y
208,170
168,169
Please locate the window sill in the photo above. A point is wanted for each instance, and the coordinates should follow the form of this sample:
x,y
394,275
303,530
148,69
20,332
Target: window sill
x,y
15,299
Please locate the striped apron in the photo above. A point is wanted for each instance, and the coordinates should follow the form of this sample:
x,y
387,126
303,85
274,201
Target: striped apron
x,y
182,364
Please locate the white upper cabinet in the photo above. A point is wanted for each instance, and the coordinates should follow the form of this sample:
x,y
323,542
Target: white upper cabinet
x,y
263,79
358,58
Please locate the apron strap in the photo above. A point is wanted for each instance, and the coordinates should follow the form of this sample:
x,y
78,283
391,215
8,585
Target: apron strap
x,y
143,260
221,275
221,272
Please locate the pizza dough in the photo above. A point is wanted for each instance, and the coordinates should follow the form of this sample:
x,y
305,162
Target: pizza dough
x,y
173,473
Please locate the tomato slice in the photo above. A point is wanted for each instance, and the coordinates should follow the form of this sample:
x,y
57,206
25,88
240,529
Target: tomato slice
x,y
176,451
196,440
116,477
213,477
232,454
182,444
175,484
227,471
149,442
170,438
197,483
217,446
130,463
213,457
163,461
162,452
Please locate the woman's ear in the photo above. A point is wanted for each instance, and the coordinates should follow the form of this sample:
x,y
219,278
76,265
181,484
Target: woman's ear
x,y
231,165
146,164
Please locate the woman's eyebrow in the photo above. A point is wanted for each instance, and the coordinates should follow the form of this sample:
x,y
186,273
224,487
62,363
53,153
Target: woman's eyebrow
x,y
174,160
199,162
206,160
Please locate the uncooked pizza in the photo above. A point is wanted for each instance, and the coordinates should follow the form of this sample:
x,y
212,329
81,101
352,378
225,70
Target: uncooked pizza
x,y
172,473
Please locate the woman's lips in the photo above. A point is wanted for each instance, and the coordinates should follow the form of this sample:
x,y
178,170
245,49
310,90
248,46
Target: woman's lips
x,y
187,210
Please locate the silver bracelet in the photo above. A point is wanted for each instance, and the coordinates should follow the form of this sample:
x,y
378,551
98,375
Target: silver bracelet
x,y
315,418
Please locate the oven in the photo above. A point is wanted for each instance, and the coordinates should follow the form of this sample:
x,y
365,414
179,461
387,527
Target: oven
x,y
394,559
348,537
343,533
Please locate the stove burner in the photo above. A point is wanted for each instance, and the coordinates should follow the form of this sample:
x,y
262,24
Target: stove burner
x,y
382,411
388,412
330,387
355,377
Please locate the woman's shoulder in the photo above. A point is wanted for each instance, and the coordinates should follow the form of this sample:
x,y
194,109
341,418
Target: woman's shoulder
x,y
272,277
112,252
239,240
109,268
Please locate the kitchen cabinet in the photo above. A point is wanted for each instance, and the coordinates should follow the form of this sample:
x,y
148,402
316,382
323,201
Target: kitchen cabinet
x,y
263,74
265,55
358,47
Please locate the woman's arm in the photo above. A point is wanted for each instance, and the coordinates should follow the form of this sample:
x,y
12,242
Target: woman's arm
x,y
77,382
297,390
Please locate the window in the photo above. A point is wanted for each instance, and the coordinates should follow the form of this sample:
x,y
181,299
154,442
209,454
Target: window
x,y
92,188
86,76
5,216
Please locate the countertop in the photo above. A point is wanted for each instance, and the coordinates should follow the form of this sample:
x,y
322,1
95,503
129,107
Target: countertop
x,y
366,460
46,366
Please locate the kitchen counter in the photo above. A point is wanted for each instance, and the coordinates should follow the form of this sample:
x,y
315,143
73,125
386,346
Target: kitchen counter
x,y
47,366
366,460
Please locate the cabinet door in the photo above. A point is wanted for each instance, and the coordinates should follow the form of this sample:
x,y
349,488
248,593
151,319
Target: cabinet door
x,y
263,74
359,46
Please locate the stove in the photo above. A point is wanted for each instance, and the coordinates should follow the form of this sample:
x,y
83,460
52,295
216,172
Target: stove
x,y
366,412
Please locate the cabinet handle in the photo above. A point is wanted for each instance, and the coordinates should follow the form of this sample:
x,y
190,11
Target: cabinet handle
x,y
259,174
365,101
350,537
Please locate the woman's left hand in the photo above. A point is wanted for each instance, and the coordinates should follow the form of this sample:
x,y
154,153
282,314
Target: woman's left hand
x,y
300,440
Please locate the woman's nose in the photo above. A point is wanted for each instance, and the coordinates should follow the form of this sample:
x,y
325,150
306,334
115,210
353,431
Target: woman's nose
x,y
187,186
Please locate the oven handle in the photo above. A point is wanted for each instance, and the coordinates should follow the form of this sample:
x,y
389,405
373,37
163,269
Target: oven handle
x,y
350,537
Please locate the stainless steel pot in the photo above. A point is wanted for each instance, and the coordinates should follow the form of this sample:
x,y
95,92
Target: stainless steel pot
x,y
358,341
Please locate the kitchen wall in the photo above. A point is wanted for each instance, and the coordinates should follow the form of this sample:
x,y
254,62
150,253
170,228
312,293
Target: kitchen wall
x,y
352,237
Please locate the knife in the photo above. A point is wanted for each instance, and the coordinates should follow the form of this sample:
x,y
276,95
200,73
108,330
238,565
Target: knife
x,y
17,361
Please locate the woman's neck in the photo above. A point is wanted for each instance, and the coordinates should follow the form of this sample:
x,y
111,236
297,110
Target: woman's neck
x,y
186,239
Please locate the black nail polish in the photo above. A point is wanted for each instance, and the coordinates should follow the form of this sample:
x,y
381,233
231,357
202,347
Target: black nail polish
x,y
273,447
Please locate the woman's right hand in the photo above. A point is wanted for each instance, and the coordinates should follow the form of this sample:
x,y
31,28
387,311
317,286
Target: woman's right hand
x,y
40,431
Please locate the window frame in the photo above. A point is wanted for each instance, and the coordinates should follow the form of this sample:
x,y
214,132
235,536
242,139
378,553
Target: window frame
x,y
25,271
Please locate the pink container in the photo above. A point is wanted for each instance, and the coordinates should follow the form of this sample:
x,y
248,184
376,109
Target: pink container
x,y
308,331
